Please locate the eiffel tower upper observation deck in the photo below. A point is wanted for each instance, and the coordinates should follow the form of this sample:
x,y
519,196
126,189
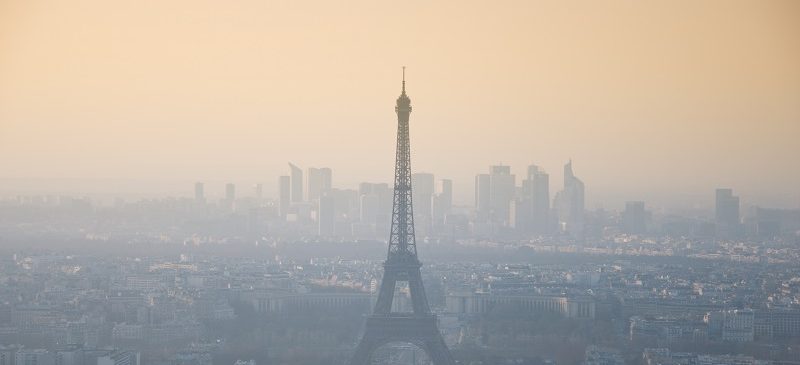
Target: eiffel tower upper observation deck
x,y
402,264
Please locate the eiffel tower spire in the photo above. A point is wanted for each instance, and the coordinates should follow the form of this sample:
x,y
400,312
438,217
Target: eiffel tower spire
x,y
402,264
404,80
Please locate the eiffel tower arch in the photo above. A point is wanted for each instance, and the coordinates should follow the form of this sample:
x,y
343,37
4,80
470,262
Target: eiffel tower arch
x,y
402,265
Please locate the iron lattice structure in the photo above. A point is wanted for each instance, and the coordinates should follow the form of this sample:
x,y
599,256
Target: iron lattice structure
x,y
402,264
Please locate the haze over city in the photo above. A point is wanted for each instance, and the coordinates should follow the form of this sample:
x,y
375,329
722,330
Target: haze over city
x,y
606,182
655,101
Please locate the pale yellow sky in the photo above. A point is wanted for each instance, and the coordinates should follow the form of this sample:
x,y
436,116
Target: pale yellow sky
x,y
645,96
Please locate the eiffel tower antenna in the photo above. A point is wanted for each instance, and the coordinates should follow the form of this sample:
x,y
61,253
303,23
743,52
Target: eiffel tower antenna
x,y
404,80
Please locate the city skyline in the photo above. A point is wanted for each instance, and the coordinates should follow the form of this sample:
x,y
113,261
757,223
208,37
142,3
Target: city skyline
x,y
607,182
463,191
647,112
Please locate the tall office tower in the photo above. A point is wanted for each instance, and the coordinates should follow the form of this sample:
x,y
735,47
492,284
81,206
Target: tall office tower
x,y
727,211
297,183
519,213
374,201
366,188
327,214
446,192
423,184
372,209
634,218
502,188
230,192
368,208
482,192
570,203
199,193
402,265
229,203
318,181
284,195
540,199
443,201
385,195
346,202
522,208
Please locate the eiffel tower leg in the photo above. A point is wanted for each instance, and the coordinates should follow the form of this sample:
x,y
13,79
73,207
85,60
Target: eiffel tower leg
x,y
386,294
438,353
418,297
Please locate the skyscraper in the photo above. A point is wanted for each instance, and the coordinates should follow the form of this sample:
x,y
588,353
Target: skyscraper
x,y
502,188
423,189
199,193
570,203
482,192
327,214
634,218
535,201
297,183
726,211
442,201
446,192
346,202
540,186
375,200
229,203
375,207
284,195
368,208
318,181
520,212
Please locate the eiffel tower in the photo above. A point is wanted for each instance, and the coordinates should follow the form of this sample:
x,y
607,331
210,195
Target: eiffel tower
x,y
384,326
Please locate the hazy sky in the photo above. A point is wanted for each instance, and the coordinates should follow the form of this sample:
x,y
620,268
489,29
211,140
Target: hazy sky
x,y
649,98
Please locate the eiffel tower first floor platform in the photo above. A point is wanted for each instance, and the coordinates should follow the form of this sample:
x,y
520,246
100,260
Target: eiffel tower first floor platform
x,y
416,329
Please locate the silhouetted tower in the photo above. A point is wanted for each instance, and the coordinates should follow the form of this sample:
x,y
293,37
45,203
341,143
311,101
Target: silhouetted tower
x,y
384,326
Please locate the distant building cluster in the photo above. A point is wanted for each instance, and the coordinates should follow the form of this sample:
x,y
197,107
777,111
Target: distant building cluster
x,y
308,204
502,206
